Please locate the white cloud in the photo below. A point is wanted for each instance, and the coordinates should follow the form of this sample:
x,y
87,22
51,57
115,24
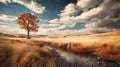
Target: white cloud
x,y
12,30
47,31
30,4
3,26
3,23
69,14
89,14
98,16
54,21
50,25
41,20
97,30
5,17
67,25
87,4
5,1
69,10
80,18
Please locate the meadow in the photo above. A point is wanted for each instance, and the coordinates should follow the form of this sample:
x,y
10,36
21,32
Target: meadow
x,y
28,53
22,52
106,45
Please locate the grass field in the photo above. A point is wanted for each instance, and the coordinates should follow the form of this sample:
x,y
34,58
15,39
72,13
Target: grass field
x,y
14,53
106,46
21,52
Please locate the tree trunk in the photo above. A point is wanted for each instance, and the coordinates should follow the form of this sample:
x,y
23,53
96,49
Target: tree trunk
x,y
28,34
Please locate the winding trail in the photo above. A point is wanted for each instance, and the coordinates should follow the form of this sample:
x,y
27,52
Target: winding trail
x,y
80,61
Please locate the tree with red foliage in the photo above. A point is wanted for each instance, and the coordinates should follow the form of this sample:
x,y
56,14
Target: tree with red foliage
x,y
28,22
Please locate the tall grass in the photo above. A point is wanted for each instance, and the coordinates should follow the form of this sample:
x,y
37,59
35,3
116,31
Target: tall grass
x,y
15,53
5,52
108,49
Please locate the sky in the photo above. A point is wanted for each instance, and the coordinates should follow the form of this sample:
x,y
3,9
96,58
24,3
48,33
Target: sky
x,y
62,16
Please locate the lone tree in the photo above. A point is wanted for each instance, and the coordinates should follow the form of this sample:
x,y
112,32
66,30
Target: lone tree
x,y
28,22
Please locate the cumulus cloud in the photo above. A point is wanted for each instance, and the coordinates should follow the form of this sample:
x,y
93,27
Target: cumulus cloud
x,y
47,31
88,4
69,10
5,17
107,19
71,26
12,30
112,23
69,14
41,20
3,25
30,4
50,25
95,16
54,21
98,15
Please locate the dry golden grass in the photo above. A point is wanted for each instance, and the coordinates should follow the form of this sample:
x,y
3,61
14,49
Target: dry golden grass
x,y
108,52
29,53
14,53
104,51
106,46
5,52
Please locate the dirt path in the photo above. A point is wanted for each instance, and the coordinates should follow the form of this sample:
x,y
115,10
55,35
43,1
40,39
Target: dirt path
x,y
65,59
